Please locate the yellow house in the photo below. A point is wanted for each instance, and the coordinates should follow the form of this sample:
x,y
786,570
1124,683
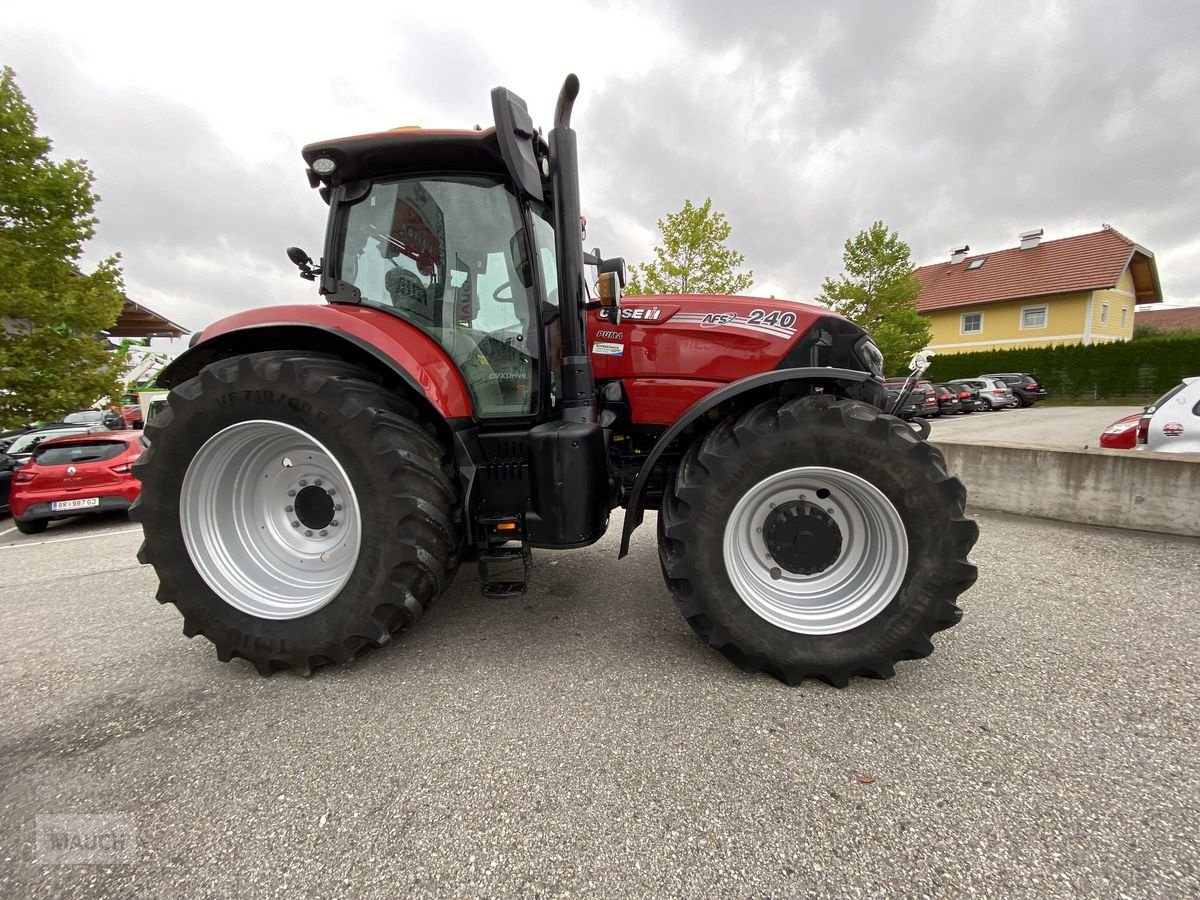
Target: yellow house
x,y
1076,290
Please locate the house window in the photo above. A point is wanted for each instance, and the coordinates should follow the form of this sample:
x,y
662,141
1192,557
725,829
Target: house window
x,y
1103,313
976,264
1124,315
1033,316
972,323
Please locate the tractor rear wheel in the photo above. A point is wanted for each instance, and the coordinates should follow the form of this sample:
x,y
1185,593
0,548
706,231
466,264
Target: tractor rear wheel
x,y
816,537
295,510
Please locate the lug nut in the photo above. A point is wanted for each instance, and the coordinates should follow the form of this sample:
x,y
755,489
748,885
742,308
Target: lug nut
x,y
303,483
338,507
324,533
334,523
287,509
291,493
295,524
317,482
308,533
331,491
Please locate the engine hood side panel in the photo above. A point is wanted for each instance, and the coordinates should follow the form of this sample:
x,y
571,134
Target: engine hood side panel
x,y
701,337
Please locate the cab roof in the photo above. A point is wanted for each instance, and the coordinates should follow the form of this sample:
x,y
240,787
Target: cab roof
x,y
407,149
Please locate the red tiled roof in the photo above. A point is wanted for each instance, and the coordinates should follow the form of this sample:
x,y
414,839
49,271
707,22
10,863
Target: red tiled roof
x,y
1085,262
1169,319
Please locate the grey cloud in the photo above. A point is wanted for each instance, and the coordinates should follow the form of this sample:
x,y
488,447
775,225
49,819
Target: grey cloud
x,y
954,128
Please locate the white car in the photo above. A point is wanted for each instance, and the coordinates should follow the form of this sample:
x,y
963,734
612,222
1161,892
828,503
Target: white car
x,y
1172,423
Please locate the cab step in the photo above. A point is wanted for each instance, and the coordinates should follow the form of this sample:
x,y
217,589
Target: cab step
x,y
504,571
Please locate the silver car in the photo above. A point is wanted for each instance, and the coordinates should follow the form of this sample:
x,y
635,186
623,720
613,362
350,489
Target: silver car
x,y
1172,424
992,391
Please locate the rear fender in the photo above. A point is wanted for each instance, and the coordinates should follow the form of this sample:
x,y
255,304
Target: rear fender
x,y
399,353
744,392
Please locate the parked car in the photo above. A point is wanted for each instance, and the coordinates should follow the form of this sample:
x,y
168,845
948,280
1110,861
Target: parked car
x,y
992,391
106,417
1121,434
913,406
74,476
1172,423
7,465
1026,387
947,400
22,448
923,389
968,397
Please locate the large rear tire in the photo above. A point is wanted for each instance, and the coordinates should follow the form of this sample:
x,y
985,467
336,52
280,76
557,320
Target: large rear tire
x,y
295,510
816,538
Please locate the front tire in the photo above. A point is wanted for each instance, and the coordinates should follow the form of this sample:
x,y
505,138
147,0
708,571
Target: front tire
x,y
295,510
816,537
33,526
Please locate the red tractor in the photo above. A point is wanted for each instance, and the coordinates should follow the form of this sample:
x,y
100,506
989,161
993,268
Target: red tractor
x,y
322,471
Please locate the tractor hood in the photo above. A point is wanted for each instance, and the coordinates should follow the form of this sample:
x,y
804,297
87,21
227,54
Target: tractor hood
x,y
718,339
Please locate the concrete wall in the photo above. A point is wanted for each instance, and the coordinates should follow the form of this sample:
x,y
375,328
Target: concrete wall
x,y
1120,488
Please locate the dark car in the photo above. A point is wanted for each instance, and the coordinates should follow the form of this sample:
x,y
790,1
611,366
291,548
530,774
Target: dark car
x,y
923,390
1027,389
913,406
967,396
947,400
75,476
7,465
106,417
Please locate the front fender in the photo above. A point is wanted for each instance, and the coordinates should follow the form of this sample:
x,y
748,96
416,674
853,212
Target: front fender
x,y
755,383
372,337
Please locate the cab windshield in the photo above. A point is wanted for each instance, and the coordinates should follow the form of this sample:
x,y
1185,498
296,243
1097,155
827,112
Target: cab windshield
x,y
449,256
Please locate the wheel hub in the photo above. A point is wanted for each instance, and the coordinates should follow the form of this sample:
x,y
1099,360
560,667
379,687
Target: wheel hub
x,y
314,507
802,537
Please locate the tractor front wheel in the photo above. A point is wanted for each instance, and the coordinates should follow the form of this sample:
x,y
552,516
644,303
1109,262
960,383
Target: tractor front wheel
x,y
295,510
816,537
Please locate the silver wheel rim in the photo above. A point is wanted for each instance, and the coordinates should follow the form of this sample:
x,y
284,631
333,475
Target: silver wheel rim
x,y
856,586
248,509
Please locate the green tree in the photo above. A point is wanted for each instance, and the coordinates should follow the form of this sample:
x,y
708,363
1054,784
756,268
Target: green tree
x,y
53,358
692,258
878,291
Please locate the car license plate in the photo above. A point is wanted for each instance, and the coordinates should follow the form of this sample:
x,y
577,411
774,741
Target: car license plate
x,y
60,505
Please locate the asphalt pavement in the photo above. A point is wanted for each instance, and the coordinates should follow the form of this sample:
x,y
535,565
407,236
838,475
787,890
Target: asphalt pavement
x,y
579,741
1064,426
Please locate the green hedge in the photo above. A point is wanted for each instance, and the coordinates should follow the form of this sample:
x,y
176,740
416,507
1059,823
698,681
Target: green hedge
x,y
1147,367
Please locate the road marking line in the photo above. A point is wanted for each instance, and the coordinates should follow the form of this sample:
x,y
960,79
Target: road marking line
x,y
10,531
78,537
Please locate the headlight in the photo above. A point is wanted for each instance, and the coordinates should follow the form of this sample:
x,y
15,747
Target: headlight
x,y
870,356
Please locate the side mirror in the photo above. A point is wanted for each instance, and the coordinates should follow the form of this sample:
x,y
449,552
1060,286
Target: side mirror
x,y
303,262
615,265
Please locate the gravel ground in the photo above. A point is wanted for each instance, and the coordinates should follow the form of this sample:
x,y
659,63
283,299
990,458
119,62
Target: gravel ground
x,y
580,741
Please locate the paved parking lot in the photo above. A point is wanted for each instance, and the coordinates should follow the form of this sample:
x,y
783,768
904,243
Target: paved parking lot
x,y
1065,426
580,741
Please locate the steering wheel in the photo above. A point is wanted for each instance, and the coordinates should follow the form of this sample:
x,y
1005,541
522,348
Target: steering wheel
x,y
496,293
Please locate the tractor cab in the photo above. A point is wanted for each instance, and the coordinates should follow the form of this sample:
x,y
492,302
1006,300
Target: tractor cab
x,y
454,233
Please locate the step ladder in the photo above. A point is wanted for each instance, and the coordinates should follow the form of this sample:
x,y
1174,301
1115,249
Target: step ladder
x,y
504,570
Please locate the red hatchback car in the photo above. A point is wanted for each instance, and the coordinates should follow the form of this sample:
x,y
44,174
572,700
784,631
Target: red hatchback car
x,y
75,476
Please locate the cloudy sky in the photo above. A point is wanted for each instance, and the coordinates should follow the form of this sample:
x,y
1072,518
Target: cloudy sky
x,y
953,122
